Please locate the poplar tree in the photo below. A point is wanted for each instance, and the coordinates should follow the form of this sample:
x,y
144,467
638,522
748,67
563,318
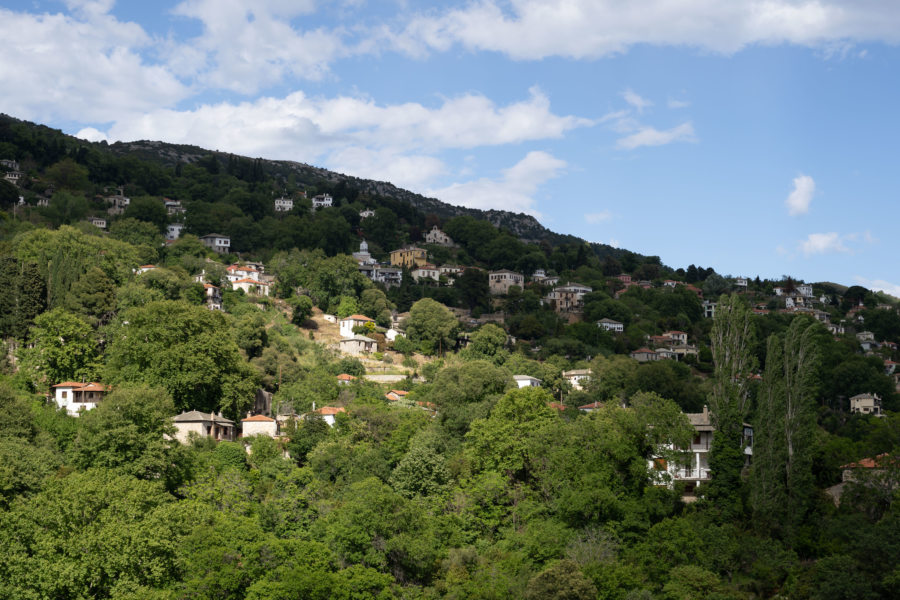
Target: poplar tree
x,y
784,431
732,340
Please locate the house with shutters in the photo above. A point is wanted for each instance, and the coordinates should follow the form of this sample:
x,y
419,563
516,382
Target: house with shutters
x,y
220,244
610,325
322,201
409,256
76,397
284,204
866,404
347,324
500,281
204,425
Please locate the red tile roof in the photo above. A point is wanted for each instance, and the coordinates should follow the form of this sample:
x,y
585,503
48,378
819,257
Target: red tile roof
x,y
345,377
258,419
358,318
330,410
882,460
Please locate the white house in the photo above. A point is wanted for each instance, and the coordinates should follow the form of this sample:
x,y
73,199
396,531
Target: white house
x,y
567,298
251,286
577,378
97,222
76,397
174,207
322,201
347,324
426,271
173,230
740,282
143,269
610,325
358,344
501,281
451,270
238,272
392,334
259,425
866,404
365,214
213,296
284,204
219,243
201,424
524,381
329,413
438,237
805,290
678,337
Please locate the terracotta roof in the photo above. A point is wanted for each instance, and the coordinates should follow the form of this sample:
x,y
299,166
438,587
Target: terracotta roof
x,y
430,405
147,266
400,392
94,387
69,384
330,410
248,280
209,285
882,460
643,351
89,386
345,377
258,419
357,318
592,405
558,406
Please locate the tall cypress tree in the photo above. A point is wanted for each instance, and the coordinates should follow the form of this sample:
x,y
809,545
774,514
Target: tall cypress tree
x,y
31,292
732,339
9,275
784,430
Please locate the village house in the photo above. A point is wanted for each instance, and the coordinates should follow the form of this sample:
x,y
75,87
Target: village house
x,y
538,274
805,290
173,230
740,282
670,283
143,269
577,378
221,244
709,309
451,270
589,408
259,425
284,204
866,404
501,281
347,324
238,272
98,222
365,214
409,256
666,353
76,397
524,381
322,201
213,426
329,413
117,202
251,286
610,325
567,298
677,337
426,271
644,355
395,395
438,237
173,207
213,296
882,472
357,345
345,379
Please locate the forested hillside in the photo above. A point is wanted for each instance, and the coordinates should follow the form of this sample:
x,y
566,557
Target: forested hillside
x,y
607,427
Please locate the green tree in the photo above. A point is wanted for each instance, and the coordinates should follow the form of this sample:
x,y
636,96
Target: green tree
x,y
784,433
432,323
61,347
188,350
561,581
149,210
93,296
732,340
302,308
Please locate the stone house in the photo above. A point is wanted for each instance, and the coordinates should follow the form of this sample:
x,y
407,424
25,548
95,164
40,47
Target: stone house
x,y
210,425
438,237
259,425
409,256
501,281
221,244
866,404
358,344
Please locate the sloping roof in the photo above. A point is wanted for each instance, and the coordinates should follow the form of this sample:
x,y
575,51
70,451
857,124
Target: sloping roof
x,y
357,318
69,384
591,406
557,405
195,416
330,410
258,419
345,377
358,338
880,461
643,351
576,372
248,280
525,378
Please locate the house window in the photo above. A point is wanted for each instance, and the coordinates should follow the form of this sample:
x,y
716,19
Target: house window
x,y
65,395
697,439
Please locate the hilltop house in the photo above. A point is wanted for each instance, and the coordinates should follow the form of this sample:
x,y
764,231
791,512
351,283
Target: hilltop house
x,y
866,404
76,397
210,425
524,381
173,230
358,344
221,244
610,325
438,237
577,378
284,204
644,355
409,256
347,324
173,207
259,425
322,201
501,281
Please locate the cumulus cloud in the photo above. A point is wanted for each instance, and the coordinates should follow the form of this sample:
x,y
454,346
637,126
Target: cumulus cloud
x,y
599,217
514,190
87,68
823,243
635,100
650,136
800,197
587,29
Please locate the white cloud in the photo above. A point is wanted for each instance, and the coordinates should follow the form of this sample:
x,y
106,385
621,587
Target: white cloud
x,y
636,100
86,69
585,29
823,243
674,103
302,128
409,172
800,197
650,136
879,285
513,191
599,217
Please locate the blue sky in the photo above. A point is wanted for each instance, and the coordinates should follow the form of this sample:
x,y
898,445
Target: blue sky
x,y
756,137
